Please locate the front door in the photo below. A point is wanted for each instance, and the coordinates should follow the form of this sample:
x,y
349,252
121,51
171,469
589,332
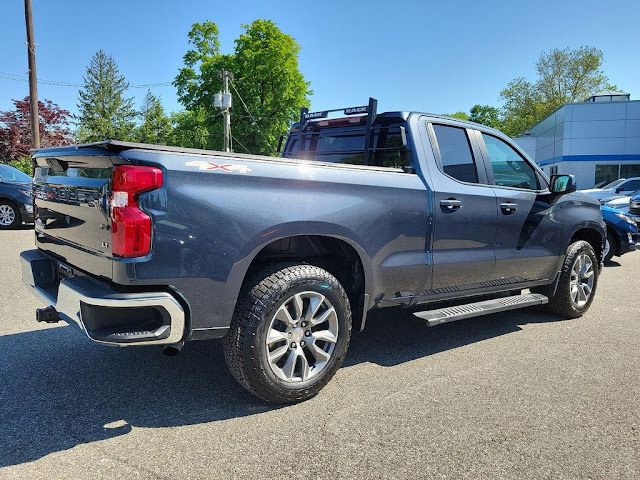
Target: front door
x,y
529,239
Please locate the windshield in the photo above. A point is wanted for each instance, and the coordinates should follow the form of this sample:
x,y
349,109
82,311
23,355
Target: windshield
x,y
614,184
10,174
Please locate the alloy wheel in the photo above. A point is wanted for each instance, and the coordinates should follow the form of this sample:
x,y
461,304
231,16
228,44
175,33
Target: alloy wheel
x,y
302,336
582,278
7,215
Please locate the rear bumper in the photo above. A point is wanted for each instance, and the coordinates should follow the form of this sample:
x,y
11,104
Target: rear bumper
x,y
103,314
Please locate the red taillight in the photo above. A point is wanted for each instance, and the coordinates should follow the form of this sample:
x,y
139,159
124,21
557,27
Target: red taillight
x,y
130,226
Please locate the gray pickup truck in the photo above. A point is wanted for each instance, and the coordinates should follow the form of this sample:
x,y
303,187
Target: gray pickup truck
x,y
283,257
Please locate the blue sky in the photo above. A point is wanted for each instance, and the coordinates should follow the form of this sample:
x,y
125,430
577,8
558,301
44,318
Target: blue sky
x,y
429,56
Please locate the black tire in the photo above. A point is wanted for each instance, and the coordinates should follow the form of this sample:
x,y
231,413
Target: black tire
x,y
262,297
9,208
613,246
562,302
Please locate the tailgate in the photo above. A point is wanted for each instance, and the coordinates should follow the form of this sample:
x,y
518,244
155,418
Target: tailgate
x,y
71,210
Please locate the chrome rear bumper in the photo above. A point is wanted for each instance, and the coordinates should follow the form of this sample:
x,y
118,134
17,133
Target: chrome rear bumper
x,y
103,314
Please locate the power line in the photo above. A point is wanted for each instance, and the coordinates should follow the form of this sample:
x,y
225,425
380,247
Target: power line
x,y
253,119
24,78
240,143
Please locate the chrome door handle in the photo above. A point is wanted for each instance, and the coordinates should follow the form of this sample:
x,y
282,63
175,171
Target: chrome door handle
x,y
508,207
451,203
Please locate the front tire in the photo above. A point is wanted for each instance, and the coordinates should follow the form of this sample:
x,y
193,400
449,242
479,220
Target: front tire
x,y
610,247
289,333
578,282
9,215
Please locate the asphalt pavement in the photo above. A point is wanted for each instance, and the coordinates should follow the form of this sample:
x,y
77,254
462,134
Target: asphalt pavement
x,y
514,395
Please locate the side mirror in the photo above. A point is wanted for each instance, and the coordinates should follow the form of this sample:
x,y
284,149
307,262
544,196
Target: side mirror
x,y
618,190
561,184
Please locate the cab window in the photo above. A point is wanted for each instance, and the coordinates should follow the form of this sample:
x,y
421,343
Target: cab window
x,y
509,168
455,153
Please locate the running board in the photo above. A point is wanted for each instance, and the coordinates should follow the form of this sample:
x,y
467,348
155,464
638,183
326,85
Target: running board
x,y
451,314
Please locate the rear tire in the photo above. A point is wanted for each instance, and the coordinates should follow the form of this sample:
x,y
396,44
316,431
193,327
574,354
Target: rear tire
x,y
578,282
289,333
9,215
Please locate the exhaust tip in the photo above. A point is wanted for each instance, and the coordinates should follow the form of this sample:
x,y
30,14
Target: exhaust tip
x,y
172,350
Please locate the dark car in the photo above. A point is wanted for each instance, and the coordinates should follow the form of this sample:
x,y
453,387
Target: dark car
x,y
283,258
634,208
16,202
622,233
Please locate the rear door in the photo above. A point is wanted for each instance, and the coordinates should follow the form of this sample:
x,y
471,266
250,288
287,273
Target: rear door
x,y
465,219
529,236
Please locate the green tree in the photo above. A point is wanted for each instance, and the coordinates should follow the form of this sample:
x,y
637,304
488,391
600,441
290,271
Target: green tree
x,y
156,125
190,129
460,115
564,76
104,111
267,86
486,115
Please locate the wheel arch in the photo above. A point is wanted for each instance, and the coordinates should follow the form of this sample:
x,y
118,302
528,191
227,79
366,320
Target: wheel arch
x,y
592,236
340,255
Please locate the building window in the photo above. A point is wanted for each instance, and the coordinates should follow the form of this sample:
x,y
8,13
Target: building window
x,y
606,173
628,171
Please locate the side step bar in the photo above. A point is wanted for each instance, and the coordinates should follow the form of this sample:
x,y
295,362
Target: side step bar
x,y
451,314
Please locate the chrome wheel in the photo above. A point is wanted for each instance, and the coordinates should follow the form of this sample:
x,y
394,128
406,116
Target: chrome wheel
x,y
7,215
302,337
582,278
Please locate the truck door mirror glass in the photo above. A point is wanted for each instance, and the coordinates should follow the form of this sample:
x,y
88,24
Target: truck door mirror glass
x,y
563,184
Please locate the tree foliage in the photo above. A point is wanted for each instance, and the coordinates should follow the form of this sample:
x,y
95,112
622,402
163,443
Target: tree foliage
x,y
564,76
460,115
156,125
265,73
15,128
486,115
104,111
190,129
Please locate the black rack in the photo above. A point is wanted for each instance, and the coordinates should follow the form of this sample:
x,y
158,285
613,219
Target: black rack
x,y
370,110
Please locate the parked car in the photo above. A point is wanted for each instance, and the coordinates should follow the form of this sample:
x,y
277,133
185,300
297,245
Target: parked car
x,y
622,186
622,233
16,198
283,257
634,208
618,201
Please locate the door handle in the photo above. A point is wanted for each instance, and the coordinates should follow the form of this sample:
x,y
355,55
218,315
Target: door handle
x,y
508,207
451,203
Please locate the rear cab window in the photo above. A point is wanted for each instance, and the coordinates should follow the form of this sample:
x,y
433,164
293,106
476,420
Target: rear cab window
x,y
346,145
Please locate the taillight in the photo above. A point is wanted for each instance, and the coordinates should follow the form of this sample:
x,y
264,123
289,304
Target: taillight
x,y
130,226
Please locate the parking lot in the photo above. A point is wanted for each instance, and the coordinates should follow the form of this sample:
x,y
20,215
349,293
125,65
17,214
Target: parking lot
x,y
513,395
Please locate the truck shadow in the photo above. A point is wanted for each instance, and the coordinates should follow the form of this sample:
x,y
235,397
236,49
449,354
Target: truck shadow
x,y
60,390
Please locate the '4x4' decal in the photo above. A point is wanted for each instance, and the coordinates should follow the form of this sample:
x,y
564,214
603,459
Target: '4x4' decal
x,y
229,168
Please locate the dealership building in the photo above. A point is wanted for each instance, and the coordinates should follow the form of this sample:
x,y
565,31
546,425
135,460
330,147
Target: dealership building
x,y
597,140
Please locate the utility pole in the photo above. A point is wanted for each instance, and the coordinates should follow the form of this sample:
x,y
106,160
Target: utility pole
x,y
225,110
33,86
